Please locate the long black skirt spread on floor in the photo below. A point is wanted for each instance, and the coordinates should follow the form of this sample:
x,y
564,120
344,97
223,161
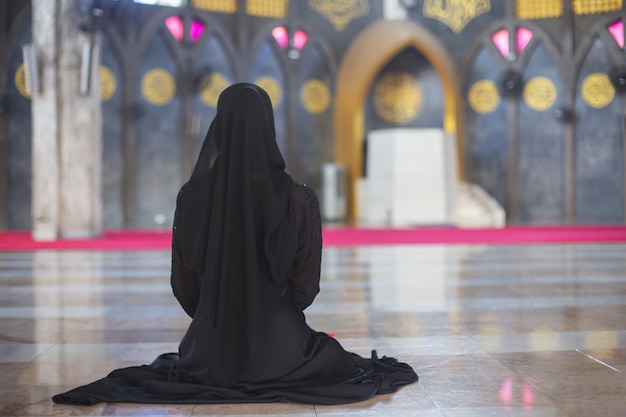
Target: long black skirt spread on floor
x,y
339,377
246,262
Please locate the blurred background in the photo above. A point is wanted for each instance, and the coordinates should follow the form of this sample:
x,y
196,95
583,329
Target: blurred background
x,y
397,112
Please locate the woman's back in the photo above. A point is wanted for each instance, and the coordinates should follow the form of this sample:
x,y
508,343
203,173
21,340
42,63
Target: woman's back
x,y
286,337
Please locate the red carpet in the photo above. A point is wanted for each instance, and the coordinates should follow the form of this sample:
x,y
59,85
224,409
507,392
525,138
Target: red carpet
x,y
342,236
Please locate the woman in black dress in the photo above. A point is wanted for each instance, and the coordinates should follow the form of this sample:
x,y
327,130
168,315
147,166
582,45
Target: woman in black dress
x,y
246,254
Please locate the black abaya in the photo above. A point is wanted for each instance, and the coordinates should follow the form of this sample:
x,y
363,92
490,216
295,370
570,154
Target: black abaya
x,y
246,254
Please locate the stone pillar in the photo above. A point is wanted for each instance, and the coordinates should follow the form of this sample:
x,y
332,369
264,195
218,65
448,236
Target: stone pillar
x,y
67,134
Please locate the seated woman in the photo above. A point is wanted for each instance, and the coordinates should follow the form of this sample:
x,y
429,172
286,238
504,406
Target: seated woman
x,y
246,254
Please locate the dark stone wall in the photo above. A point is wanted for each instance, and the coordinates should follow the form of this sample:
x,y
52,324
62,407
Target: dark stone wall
x,y
541,151
486,147
599,166
112,143
18,134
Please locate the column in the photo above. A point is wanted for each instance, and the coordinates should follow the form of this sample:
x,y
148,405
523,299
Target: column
x,y
67,134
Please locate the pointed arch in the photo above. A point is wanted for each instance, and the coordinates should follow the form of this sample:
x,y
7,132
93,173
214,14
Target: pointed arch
x,y
369,52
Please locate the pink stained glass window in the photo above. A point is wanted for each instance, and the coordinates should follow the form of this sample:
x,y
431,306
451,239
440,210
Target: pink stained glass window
x,y
523,37
299,39
282,37
196,30
616,29
175,25
501,40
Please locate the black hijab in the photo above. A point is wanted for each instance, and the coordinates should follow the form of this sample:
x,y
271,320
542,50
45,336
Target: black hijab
x,y
234,224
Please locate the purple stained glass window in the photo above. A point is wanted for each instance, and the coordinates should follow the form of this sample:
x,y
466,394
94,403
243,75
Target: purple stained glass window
x,y
196,30
175,25
616,29
282,37
501,40
523,37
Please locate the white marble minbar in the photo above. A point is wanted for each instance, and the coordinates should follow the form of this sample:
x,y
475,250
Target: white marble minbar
x,y
411,178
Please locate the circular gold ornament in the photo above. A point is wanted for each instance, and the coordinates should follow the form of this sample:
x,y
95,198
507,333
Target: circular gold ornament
x,y
272,88
315,96
212,86
20,81
540,93
597,90
158,86
398,97
483,96
108,84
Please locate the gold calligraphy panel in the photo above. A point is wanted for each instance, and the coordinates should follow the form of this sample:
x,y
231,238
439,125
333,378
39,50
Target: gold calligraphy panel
x,y
398,97
340,12
272,88
597,90
267,8
538,9
315,96
20,81
158,87
108,83
540,93
595,6
455,14
212,86
483,96
223,6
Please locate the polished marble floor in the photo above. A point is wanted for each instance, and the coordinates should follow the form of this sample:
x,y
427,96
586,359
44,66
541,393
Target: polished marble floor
x,y
516,330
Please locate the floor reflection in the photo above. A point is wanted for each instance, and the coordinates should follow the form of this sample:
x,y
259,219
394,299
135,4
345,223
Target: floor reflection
x,y
516,330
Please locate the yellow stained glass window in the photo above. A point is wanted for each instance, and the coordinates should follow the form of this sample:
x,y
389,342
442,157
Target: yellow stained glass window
x,y
223,6
267,8
538,9
595,6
